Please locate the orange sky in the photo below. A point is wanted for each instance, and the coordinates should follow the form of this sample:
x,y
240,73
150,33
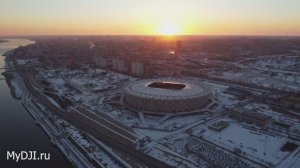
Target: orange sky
x,y
186,17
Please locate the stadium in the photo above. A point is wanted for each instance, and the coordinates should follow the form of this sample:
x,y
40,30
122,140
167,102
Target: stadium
x,y
166,95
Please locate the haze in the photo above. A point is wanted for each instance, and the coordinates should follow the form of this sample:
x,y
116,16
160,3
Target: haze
x,y
144,17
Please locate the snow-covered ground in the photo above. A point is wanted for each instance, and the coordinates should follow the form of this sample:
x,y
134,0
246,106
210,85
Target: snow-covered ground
x,y
275,63
264,108
86,79
254,144
216,156
18,92
278,73
173,131
91,148
173,160
27,62
222,98
154,134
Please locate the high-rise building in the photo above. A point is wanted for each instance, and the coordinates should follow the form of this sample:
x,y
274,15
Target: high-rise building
x,y
178,45
101,61
119,64
137,68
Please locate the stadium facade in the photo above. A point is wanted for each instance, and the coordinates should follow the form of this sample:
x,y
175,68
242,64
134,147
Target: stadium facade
x,y
166,95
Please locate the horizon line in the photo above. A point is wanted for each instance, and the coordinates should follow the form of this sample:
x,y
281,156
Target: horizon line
x,y
157,35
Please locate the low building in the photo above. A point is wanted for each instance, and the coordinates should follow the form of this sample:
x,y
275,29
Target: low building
x,y
295,100
240,93
294,132
218,126
242,114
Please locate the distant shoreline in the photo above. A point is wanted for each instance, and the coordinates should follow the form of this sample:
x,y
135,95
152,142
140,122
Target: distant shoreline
x,y
3,41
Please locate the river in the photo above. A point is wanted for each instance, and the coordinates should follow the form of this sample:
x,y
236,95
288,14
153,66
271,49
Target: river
x,y
18,131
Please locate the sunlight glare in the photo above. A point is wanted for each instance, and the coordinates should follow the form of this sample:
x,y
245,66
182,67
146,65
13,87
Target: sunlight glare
x,y
169,29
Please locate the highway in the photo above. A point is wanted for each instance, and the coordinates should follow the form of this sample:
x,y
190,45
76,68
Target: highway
x,y
135,156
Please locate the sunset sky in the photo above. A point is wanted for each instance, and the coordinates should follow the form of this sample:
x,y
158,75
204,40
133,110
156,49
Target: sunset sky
x,y
126,17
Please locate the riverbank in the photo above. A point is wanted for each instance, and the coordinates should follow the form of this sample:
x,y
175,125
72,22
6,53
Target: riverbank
x,y
3,41
20,132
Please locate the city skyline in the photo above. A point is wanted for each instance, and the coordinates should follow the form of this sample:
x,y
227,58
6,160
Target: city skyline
x,y
176,17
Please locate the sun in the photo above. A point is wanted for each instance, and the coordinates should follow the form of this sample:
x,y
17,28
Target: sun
x,y
169,29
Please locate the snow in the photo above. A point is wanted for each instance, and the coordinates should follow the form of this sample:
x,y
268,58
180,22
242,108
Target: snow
x,y
274,72
171,159
217,87
152,133
18,92
216,157
173,131
53,102
57,81
263,108
27,62
92,149
232,75
279,63
297,163
227,100
256,144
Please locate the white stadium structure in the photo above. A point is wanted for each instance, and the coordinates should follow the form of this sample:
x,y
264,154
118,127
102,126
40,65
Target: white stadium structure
x,y
166,95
